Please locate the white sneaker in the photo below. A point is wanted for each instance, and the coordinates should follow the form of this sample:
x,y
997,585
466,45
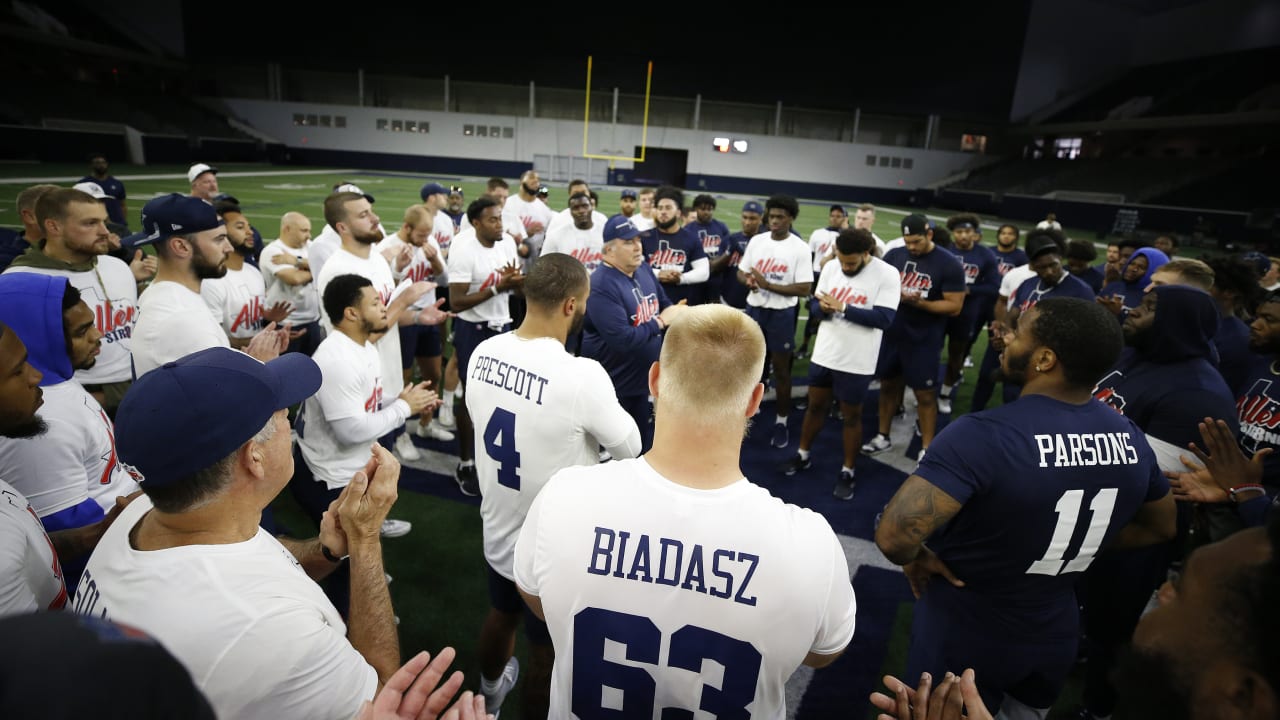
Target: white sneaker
x,y
405,448
434,431
493,700
395,528
944,405
877,444
968,361
444,416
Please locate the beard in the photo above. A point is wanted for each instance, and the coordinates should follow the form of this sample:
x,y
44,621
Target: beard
x,y
206,270
668,224
578,319
1154,687
371,328
368,238
35,426
1016,372
529,190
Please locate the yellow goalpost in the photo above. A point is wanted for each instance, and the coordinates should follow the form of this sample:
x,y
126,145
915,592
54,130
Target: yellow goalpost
x,y
644,131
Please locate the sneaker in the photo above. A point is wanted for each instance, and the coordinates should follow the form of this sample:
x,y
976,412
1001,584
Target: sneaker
x,y
877,444
604,456
780,435
801,403
405,449
916,429
395,528
468,483
873,385
493,700
434,431
968,361
795,464
844,486
944,405
387,575
920,457
445,417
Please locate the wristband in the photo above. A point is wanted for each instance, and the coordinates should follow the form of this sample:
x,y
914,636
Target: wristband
x,y
1233,493
494,288
330,556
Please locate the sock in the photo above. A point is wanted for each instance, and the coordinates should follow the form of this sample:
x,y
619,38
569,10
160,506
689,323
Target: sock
x,y
782,420
489,687
804,454
946,391
449,395
467,463
846,471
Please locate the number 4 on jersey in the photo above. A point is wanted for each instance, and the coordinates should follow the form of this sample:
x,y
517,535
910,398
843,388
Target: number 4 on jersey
x,y
500,444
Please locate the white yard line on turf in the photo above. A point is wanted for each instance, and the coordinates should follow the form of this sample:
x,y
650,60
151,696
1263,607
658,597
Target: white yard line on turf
x,y
183,176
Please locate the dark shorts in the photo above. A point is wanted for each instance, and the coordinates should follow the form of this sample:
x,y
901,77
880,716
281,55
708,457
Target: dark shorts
x,y
505,597
308,342
849,388
916,363
960,328
466,337
779,327
418,341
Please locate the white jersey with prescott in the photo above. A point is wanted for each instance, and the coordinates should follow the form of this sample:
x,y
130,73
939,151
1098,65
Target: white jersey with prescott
x,y
30,575
784,262
537,409
258,636
645,583
848,346
173,322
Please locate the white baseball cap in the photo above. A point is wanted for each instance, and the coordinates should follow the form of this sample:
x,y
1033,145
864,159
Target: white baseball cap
x,y
93,189
349,187
199,169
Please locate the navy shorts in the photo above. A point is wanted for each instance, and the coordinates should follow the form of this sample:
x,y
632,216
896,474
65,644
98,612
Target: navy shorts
x,y
916,363
505,597
466,337
849,388
960,328
779,327
418,341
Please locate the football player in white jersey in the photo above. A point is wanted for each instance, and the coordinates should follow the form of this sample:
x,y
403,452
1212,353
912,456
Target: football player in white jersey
x,y
857,297
582,237
679,563
435,198
542,410
237,299
565,218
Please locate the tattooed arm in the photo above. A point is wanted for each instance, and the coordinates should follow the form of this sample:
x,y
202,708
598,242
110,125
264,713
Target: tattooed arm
x,y
915,512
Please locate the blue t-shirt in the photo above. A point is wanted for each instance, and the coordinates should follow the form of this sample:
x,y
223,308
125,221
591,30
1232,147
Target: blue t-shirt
x,y
1092,277
1007,261
1033,290
1044,484
675,251
932,274
981,276
1258,408
619,331
113,187
733,291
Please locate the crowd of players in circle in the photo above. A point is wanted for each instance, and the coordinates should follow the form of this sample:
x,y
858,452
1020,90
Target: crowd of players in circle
x,y
1118,504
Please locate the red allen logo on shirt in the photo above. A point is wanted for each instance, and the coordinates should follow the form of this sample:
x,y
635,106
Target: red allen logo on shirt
x,y
374,402
111,320
912,279
250,315
772,269
419,272
585,256
494,278
666,257
849,296
646,307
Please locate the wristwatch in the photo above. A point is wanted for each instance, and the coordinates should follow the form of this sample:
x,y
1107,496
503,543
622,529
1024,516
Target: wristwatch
x,y
330,556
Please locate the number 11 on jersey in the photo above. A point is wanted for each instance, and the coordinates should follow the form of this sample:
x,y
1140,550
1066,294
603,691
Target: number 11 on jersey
x,y
500,444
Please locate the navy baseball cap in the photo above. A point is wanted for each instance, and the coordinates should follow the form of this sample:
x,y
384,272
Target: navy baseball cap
x,y
433,188
915,224
753,206
619,227
629,193
188,414
1261,263
1038,245
349,187
173,214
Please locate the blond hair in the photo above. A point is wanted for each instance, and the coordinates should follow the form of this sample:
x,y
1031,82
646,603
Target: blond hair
x,y
417,215
711,361
1193,272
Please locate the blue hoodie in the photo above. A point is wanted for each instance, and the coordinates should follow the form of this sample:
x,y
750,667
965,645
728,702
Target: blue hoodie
x,y
31,305
1133,292
1167,380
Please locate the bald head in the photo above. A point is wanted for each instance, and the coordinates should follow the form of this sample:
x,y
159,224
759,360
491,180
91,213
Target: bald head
x,y
295,229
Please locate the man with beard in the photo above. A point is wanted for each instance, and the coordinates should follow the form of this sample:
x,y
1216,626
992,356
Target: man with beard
x,y
1125,294
778,271
932,291
173,320
435,198
822,246
542,410
525,211
30,558
999,499
982,285
456,209
627,203
674,253
484,275
1205,651
1008,254
70,473
583,238
733,292
1166,382
351,216
857,296
237,298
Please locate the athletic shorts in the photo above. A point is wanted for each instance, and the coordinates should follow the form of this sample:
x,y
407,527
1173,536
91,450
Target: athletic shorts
x,y
960,327
848,388
505,597
779,327
917,364
466,337
418,341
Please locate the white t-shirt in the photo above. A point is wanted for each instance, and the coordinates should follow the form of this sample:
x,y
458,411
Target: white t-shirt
x,y
115,308
172,322
642,223
894,243
235,299
74,460
586,246
278,256
324,245
820,243
418,269
525,213
536,409
784,262
1048,225
352,387
441,233
259,637
1012,279
619,549
848,346
30,574
376,269
565,217
480,268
